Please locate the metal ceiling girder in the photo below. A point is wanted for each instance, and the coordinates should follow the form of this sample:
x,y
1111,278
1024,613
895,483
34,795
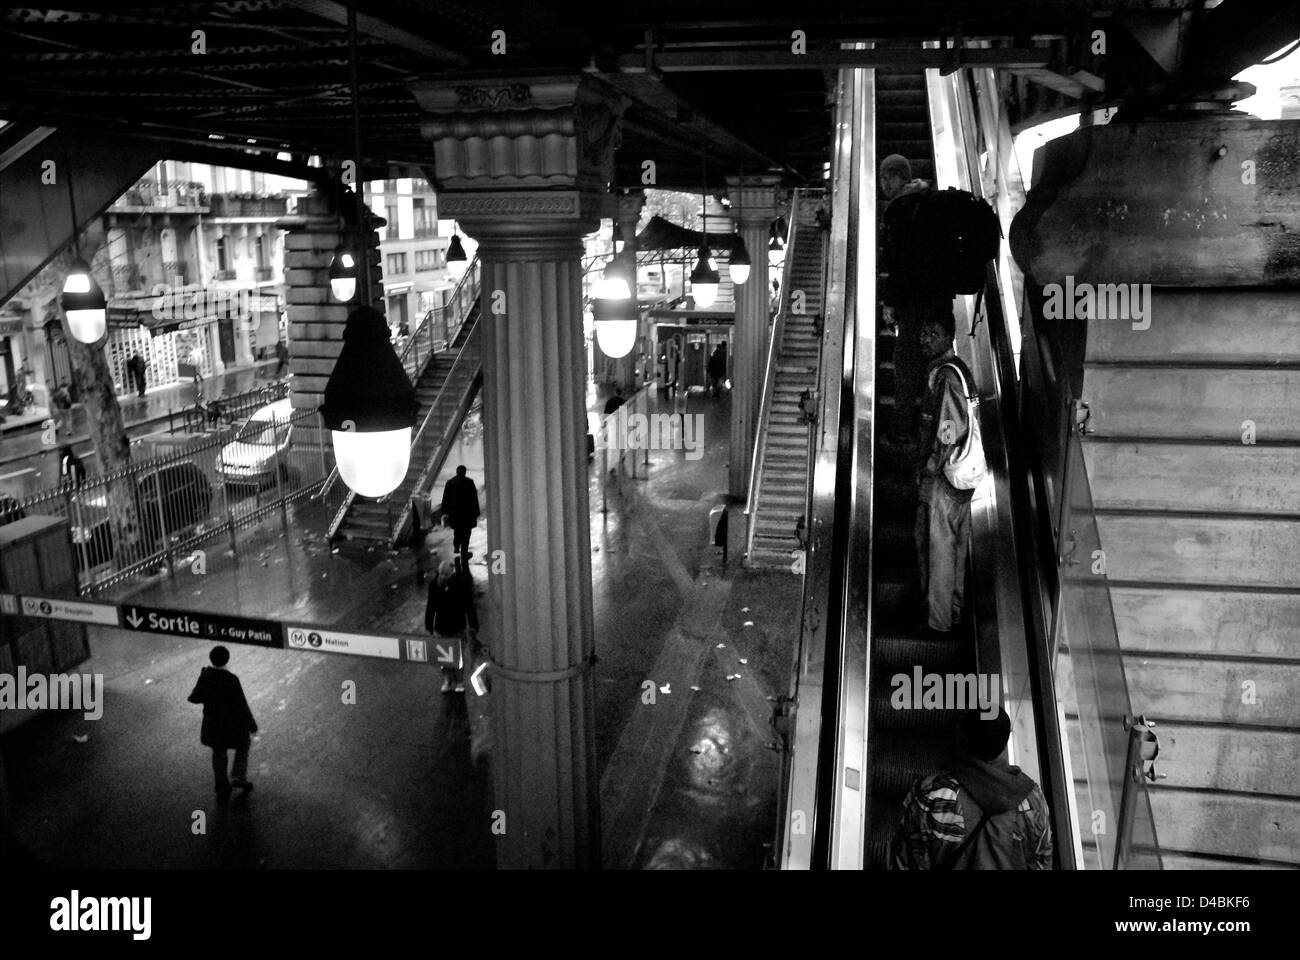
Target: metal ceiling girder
x,y
336,12
682,61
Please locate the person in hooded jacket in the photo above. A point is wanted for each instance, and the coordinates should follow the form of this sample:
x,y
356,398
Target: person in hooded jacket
x,y
979,812
450,613
228,723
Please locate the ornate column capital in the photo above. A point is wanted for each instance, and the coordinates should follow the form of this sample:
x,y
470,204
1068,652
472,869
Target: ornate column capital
x,y
754,199
532,148
629,206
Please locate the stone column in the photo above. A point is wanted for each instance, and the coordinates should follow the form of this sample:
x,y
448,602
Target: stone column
x,y
523,167
753,205
316,319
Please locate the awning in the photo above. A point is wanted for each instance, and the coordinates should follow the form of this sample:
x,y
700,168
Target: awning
x,y
661,234
187,309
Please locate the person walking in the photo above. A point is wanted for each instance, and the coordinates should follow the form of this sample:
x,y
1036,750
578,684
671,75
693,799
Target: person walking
x,y
460,511
979,812
71,469
718,368
449,613
228,723
136,367
943,511
281,357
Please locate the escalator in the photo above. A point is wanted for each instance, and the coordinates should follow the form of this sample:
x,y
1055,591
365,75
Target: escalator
x,y
849,756
909,743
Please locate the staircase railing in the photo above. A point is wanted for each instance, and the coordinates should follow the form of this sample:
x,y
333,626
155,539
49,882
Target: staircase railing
x,y
414,363
769,378
444,419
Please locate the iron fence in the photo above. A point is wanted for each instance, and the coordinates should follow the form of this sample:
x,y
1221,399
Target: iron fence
x,y
157,513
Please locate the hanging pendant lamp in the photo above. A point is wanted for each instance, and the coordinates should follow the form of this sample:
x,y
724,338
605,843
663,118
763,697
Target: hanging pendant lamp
x,y
343,274
704,278
457,262
614,309
370,405
82,298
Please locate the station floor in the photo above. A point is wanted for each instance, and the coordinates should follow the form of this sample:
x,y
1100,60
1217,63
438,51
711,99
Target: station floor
x,y
401,778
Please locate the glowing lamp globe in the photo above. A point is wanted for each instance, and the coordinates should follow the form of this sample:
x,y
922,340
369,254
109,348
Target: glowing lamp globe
x,y
739,265
704,280
343,275
370,407
373,464
615,311
84,304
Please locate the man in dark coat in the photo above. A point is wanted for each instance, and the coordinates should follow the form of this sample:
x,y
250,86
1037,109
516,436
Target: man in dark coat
x,y
450,613
228,723
718,367
460,511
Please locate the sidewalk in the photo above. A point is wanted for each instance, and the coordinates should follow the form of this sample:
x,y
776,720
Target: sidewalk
x,y
26,442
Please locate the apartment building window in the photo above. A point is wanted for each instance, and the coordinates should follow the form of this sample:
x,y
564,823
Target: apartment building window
x,y
426,218
396,263
390,214
427,260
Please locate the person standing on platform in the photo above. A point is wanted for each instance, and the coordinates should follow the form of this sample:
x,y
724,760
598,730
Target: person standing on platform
x,y
228,723
449,613
942,511
460,511
979,812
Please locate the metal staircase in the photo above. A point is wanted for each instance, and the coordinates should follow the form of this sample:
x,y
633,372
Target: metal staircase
x,y
778,487
446,383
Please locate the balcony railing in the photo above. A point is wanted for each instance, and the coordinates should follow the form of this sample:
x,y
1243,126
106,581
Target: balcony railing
x,y
233,205
149,195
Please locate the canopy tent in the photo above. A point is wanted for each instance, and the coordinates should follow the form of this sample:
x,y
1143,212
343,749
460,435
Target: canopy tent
x,y
661,234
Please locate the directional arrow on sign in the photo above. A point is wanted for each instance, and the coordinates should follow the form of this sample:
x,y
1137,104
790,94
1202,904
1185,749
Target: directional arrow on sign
x,y
445,654
134,618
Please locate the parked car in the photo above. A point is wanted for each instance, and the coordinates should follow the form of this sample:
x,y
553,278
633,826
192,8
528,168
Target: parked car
x,y
169,501
263,441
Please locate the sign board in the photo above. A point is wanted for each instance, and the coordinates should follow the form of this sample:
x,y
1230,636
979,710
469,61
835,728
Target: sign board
x,y
302,637
202,626
219,628
76,610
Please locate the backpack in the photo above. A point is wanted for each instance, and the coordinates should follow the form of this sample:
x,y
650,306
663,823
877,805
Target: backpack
x,y
942,239
966,466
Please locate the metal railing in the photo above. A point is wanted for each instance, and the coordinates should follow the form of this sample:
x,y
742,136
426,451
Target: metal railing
x,y
415,354
769,377
158,512
438,430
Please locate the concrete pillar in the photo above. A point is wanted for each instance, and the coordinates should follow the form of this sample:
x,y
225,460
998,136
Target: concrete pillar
x,y
548,144
315,318
753,205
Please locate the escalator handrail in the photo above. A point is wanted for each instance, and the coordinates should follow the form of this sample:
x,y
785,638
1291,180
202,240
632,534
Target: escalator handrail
x,y
769,379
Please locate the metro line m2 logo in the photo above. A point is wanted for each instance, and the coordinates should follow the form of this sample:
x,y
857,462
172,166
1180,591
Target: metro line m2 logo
x,y
1104,301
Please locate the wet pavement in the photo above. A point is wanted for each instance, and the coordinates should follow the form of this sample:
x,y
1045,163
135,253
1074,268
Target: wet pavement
x,y
402,778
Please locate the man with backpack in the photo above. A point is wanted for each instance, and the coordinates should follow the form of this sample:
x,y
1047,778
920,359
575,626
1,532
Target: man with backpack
x,y
935,244
908,294
951,466
979,812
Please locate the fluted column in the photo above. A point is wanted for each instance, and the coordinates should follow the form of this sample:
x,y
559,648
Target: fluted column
x,y
523,167
753,205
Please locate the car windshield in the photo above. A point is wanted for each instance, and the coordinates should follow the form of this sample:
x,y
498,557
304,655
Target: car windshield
x,y
256,431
